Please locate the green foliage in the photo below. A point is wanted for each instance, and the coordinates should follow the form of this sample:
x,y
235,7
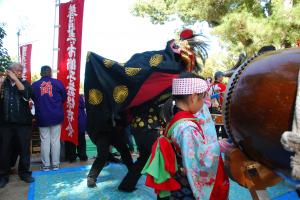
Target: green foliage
x,y
242,25
158,11
190,11
218,61
35,77
241,31
4,57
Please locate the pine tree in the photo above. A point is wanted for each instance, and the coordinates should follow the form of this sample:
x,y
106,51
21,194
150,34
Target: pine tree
x,y
4,57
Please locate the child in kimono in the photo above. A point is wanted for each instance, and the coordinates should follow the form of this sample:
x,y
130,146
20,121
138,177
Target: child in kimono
x,y
186,161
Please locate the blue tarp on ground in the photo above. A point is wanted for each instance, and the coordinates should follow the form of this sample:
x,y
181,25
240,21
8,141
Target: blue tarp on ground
x,y
70,183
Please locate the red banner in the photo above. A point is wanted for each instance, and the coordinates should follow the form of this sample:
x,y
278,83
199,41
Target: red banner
x,y
25,52
69,44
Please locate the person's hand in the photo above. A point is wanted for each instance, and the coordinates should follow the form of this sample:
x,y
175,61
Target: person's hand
x,y
12,75
225,145
2,77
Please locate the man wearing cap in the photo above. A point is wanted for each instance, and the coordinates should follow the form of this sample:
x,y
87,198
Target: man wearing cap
x,y
15,122
49,95
218,88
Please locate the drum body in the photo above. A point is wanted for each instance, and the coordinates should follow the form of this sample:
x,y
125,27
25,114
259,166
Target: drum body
x,y
259,106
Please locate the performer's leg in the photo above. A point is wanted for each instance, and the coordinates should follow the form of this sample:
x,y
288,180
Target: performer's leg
x,y
103,143
119,141
81,148
112,157
144,140
129,138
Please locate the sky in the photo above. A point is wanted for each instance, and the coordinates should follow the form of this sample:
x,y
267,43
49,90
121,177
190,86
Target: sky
x,y
109,29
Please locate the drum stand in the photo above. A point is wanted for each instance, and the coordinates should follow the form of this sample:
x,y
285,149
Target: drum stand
x,y
250,174
257,193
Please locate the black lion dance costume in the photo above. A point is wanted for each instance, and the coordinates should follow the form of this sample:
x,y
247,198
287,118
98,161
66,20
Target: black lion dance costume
x,y
122,94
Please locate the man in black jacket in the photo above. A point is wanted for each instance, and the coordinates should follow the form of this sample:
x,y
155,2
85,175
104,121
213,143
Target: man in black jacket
x,y
15,122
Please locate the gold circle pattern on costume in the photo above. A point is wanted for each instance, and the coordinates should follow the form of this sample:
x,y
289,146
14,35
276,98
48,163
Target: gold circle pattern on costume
x,y
95,97
120,93
141,124
155,60
130,71
108,63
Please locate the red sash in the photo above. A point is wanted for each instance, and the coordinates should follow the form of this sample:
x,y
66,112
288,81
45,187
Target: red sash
x,y
221,187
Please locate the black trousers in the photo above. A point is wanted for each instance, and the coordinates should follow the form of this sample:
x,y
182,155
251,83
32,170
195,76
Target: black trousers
x,y
70,148
22,135
129,138
15,152
185,192
104,140
144,139
221,132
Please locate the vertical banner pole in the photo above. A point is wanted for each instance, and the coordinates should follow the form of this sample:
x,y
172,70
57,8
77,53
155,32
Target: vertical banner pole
x,y
56,26
18,35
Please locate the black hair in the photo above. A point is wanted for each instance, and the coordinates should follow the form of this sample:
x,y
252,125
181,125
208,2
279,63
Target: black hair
x,y
209,79
45,71
218,74
169,109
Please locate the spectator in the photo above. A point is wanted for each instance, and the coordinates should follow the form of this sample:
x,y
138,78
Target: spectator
x,y
218,89
208,97
217,97
71,154
49,95
15,123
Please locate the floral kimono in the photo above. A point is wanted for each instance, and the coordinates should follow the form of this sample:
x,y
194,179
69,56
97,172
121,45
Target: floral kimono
x,y
201,172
